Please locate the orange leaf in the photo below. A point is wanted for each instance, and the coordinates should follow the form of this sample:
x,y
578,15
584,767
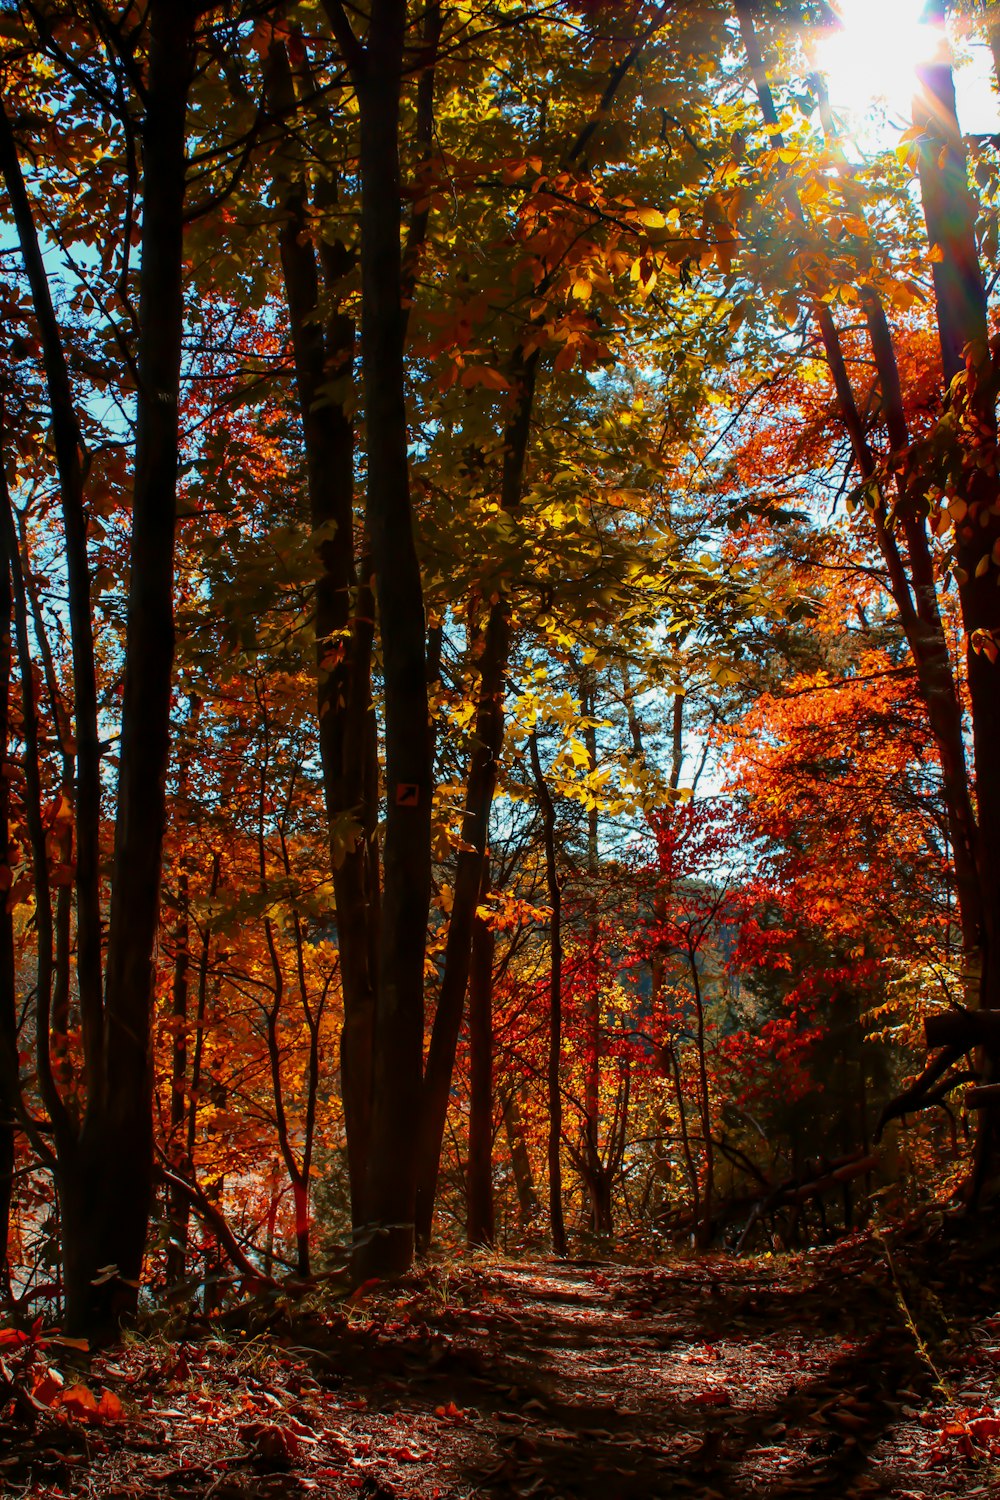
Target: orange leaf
x,y
484,375
109,1408
79,1400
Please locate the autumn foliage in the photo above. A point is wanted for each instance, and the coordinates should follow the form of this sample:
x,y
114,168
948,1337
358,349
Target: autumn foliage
x,y
498,671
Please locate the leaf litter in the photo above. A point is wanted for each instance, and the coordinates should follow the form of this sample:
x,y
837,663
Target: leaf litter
x,y
860,1369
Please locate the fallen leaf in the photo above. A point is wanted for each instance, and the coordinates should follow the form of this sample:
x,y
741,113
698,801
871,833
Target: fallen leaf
x,y
79,1400
270,1442
712,1398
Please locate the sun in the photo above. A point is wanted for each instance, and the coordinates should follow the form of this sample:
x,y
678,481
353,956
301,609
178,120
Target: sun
x,y
871,59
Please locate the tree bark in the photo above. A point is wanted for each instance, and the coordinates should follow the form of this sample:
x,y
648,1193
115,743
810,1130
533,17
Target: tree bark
x,y
553,1079
480,1225
386,1244
480,788
324,374
971,382
600,1205
68,443
9,1069
520,1161
106,1178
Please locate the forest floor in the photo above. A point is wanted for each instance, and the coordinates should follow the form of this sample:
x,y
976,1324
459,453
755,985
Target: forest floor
x,y
867,1368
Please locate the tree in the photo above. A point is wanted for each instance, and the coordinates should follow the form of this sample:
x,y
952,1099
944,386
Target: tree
x,y
104,1163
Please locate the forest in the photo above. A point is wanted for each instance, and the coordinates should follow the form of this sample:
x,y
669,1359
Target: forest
x,y
500,730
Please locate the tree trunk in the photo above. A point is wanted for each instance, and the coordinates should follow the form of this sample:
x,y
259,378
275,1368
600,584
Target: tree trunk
x,y
386,1246
177,1211
553,1080
106,1177
9,1070
177,1202
480,1225
69,450
599,1197
324,362
528,1205
960,301
480,789
703,1228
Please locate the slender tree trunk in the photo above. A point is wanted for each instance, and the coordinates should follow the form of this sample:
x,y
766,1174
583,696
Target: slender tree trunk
x,y
9,1071
921,619
201,1010
553,1074
177,1203
689,1161
61,831
106,1179
324,363
703,1228
480,1225
528,1206
480,789
592,1002
69,450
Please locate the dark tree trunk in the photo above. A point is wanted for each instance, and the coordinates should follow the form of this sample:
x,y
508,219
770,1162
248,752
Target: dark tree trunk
x,y
68,444
9,1070
600,1199
553,1072
528,1206
960,300
386,1245
107,1176
917,602
324,362
479,793
480,1225
177,1202
177,1210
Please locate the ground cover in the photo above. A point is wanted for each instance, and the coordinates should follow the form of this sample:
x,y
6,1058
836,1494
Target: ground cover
x,y
866,1368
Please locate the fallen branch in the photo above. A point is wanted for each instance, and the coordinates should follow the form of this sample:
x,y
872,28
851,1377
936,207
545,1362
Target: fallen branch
x,y
918,1095
213,1219
830,1179
793,1190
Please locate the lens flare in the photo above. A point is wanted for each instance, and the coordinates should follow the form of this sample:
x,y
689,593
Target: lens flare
x,y
873,56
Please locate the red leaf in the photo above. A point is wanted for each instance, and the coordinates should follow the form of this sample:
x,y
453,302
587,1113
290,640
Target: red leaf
x,y
712,1398
46,1388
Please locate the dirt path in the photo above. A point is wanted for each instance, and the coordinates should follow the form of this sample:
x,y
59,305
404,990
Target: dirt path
x,y
708,1378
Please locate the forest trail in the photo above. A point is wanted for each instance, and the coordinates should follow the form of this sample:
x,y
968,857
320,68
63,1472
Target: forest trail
x,y
844,1372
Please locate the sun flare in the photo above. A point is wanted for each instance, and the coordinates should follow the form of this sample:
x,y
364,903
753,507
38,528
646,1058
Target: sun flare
x,y
872,58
